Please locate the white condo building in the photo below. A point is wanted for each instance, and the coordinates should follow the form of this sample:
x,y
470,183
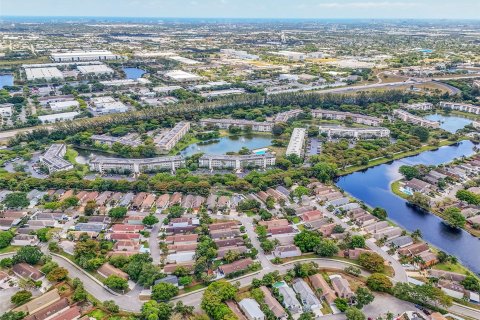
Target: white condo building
x,y
227,123
172,137
342,116
418,106
356,133
295,146
465,107
408,117
80,55
53,158
218,161
137,165
285,116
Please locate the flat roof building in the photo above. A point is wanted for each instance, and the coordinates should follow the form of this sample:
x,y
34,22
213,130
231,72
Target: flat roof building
x,y
227,123
106,105
465,107
181,76
80,55
96,69
285,116
53,158
137,165
295,146
48,73
62,105
356,133
218,161
408,117
342,116
172,137
57,117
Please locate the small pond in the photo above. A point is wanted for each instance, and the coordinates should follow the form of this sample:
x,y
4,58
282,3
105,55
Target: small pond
x,y
133,73
228,144
6,80
450,123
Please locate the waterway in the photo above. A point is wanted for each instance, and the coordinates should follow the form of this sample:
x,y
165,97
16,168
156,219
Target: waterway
x,y
6,80
450,123
133,73
228,144
372,186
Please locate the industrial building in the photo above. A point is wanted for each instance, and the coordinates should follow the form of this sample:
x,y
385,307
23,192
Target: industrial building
x,y
171,138
43,73
53,158
62,105
408,117
52,118
295,146
239,54
106,105
80,55
236,162
136,165
342,116
356,133
181,76
96,69
227,123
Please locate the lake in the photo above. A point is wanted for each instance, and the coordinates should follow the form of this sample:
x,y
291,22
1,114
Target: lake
x,y
133,73
6,80
228,144
372,186
450,123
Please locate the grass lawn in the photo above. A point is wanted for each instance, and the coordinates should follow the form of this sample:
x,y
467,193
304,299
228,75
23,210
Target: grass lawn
x,y
98,314
192,288
296,220
9,249
187,140
447,266
395,188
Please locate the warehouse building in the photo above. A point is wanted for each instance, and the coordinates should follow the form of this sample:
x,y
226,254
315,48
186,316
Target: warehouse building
x,y
62,105
52,118
43,73
96,69
297,140
80,55
106,105
181,76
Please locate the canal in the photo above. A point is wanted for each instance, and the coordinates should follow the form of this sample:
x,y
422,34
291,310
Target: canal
x,y
372,186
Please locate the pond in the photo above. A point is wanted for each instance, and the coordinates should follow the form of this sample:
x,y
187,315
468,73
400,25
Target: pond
x,y
228,144
6,80
133,73
372,186
450,123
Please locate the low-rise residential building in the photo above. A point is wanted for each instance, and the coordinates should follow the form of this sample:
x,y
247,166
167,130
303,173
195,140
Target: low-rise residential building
x,y
136,165
53,158
236,162
240,123
464,107
172,137
408,117
285,116
290,300
26,271
273,304
423,106
341,287
342,116
319,283
236,266
356,133
37,304
251,309
309,300
107,270
295,146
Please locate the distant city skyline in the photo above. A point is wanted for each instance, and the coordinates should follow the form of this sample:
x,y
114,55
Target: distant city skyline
x,y
272,9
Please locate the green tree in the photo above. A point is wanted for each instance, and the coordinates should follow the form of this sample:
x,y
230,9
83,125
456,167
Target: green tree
x,y
150,220
371,261
379,282
29,254
21,297
363,297
70,202
117,212
307,240
43,234
357,241
164,291
12,315
116,282
153,310
16,200
409,172
324,171
380,213
471,283
326,248
421,133
5,239
467,196
341,304
353,313
90,208
454,217
57,274
420,200
111,306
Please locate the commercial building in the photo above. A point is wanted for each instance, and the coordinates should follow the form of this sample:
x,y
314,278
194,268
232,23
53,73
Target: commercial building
x,y
172,137
184,60
62,105
52,118
423,106
356,133
291,55
219,93
218,161
285,116
81,55
53,158
240,123
465,107
136,165
239,54
43,73
106,105
96,69
408,117
295,146
181,76
342,116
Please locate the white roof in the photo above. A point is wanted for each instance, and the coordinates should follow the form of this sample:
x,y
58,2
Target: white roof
x,y
59,116
251,307
101,68
43,73
181,75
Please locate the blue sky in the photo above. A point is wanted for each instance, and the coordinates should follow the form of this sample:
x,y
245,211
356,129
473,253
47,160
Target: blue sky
x,y
417,9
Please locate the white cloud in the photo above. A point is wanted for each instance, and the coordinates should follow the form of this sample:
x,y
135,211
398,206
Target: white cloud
x,y
367,5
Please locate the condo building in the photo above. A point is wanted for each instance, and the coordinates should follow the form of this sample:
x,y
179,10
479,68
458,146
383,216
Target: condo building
x,y
236,162
356,133
295,146
171,138
342,116
285,116
465,107
408,117
53,158
423,106
227,123
136,165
